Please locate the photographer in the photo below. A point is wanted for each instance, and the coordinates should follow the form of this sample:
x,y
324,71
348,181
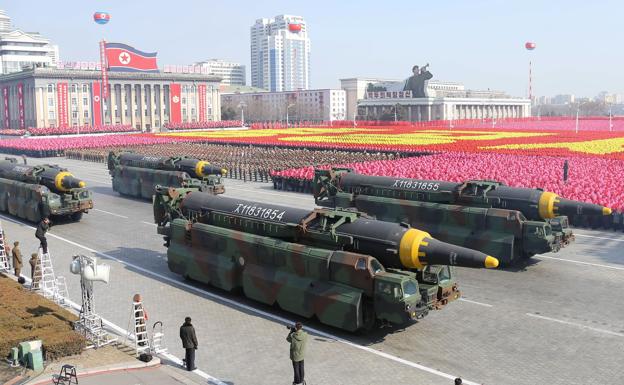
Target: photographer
x,y
298,339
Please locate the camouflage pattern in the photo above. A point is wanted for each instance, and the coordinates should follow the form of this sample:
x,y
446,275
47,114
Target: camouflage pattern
x,y
37,192
138,175
311,263
505,234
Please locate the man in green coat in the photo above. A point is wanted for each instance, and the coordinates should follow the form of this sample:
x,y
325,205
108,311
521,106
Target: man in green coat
x,y
298,339
189,343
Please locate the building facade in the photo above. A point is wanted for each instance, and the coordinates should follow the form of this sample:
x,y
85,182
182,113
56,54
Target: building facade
x,y
370,98
231,73
44,97
19,49
280,54
311,105
441,108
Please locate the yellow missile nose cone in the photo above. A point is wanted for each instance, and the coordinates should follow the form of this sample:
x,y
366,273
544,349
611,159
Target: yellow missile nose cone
x,y
491,262
82,184
606,211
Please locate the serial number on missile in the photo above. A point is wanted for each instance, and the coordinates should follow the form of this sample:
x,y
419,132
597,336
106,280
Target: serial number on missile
x,y
416,185
259,212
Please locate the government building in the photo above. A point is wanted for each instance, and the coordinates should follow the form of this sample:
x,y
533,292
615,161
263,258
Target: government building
x,y
73,96
372,99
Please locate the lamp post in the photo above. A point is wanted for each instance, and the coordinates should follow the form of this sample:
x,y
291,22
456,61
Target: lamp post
x,y
610,119
242,106
287,109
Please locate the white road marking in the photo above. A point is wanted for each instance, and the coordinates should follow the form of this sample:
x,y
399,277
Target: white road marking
x,y
582,262
109,213
594,236
476,303
149,223
271,316
576,324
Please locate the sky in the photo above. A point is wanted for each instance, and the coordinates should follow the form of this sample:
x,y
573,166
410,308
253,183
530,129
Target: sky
x,y
477,42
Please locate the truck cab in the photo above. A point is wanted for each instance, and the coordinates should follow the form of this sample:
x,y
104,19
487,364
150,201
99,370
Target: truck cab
x,y
397,297
440,284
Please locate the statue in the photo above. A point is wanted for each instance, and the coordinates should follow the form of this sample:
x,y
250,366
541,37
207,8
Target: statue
x,y
416,82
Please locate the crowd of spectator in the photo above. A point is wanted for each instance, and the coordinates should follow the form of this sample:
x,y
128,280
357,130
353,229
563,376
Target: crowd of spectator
x,y
70,130
203,125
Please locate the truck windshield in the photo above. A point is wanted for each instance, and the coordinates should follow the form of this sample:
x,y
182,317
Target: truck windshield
x,y
409,288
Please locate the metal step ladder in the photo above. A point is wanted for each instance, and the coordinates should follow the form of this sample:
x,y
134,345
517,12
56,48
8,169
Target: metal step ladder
x,y
157,339
44,279
137,319
5,262
61,291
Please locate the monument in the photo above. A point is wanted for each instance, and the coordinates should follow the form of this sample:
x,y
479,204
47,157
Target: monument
x,y
416,82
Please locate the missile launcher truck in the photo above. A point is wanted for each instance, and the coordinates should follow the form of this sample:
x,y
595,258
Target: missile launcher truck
x,y
349,271
37,192
137,175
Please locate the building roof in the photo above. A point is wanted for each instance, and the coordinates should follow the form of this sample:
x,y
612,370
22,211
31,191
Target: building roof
x,y
55,73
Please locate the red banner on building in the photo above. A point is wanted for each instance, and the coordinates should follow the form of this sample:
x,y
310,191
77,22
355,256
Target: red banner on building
x,y
61,104
5,98
175,103
104,69
97,103
20,104
201,91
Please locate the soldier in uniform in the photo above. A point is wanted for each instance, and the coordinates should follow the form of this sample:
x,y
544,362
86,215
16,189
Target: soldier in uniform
x,y
33,264
17,259
297,339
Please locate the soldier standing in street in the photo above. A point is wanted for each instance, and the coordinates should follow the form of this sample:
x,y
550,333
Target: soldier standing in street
x,y
189,343
33,264
42,229
298,339
17,258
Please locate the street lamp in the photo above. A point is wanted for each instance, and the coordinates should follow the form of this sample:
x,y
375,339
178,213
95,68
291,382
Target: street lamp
x,y
242,106
287,109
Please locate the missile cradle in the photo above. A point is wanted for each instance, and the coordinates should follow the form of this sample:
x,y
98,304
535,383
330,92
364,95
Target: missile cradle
x,y
350,271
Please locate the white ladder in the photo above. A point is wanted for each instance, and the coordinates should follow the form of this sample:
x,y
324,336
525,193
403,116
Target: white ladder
x,y
5,263
61,291
137,318
44,279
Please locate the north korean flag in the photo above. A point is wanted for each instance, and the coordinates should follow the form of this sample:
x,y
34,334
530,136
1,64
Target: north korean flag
x,y
122,57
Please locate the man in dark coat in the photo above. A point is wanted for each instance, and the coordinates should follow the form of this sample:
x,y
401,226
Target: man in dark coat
x,y
42,229
189,343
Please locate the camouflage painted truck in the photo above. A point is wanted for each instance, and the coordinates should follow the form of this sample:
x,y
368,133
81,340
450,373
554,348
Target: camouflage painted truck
x,y
349,271
137,175
483,215
36,192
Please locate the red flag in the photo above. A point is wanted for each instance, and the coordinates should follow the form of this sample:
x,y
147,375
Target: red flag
x,y
97,104
175,103
20,104
5,97
61,94
122,57
201,90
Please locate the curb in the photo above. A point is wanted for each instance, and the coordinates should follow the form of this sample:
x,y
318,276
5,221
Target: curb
x,y
153,364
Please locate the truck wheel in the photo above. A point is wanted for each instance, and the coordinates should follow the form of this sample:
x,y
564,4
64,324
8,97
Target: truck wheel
x,y
76,217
